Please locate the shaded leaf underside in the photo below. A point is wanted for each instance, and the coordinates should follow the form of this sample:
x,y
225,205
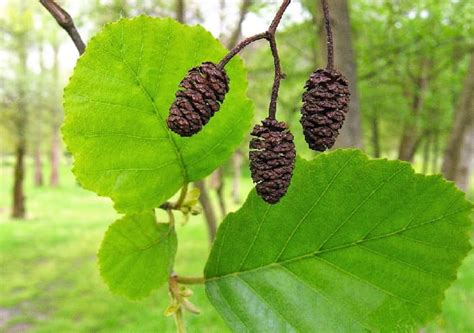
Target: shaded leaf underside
x,y
137,255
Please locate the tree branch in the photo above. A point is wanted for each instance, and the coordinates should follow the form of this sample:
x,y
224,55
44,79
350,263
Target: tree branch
x,y
66,22
270,36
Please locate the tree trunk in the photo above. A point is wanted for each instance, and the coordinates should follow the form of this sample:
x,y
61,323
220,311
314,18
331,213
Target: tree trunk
x,y
56,121
456,163
237,160
18,209
180,11
466,165
18,202
375,138
234,37
208,210
345,62
237,156
426,153
411,137
40,107
436,151
38,180
217,183
55,157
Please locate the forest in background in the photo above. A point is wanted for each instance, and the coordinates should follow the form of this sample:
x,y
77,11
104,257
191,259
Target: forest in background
x,y
410,65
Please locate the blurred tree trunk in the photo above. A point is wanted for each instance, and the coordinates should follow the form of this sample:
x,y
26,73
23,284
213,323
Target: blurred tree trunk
x,y
436,151
38,178
180,11
345,62
208,210
375,137
234,37
19,209
426,152
18,202
459,156
38,163
217,183
56,123
411,138
237,160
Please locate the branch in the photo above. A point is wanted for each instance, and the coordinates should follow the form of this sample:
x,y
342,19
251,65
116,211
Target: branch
x,y
329,41
239,47
66,22
270,36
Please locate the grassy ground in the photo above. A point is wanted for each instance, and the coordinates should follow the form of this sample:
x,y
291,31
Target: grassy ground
x,y
49,280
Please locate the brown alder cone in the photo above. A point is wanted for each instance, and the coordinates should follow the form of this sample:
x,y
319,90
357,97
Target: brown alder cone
x,y
272,159
325,104
202,91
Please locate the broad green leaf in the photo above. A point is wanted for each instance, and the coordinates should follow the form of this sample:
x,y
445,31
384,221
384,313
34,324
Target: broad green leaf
x,y
356,245
116,106
137,255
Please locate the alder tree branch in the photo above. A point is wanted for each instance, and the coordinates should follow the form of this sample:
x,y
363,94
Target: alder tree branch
x,y
329,41
269,35
66,22
239,47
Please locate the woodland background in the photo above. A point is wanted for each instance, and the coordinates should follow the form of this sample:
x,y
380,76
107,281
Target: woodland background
x,y
411,69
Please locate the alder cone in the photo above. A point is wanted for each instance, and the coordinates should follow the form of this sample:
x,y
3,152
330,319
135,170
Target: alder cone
x,y
202,91
325,104
272,159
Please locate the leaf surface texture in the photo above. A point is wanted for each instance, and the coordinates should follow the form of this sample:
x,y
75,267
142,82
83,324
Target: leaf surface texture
x,y
356,245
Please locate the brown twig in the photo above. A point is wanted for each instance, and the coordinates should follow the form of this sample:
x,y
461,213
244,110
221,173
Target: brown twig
x,y
329,41
66,22
270,36
239,47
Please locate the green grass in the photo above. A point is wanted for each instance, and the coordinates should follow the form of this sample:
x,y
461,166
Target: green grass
x,y
49,281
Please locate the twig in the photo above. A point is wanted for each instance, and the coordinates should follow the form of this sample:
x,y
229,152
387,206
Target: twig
x,y
66,22
276,79
191,279
329,41
239,47
182,196
171,218
178,314
270,36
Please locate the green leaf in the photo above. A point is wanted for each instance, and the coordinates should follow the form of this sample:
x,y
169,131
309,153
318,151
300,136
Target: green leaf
x,y
355,245
116,106
137,255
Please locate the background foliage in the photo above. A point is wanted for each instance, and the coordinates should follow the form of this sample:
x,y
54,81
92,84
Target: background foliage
x,y
412,57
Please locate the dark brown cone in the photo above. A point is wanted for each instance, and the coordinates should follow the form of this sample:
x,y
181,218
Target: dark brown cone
x,y
202,91
272,159
325,104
